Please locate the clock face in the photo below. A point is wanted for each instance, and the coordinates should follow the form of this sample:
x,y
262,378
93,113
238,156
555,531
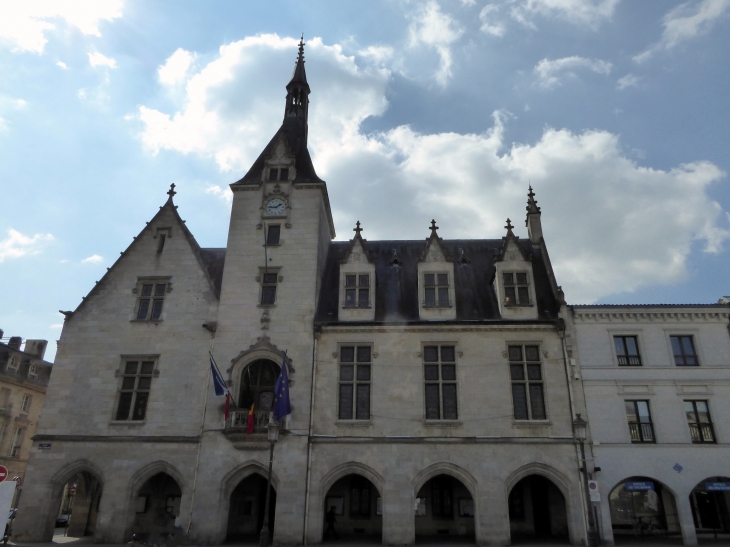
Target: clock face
x,y
276,207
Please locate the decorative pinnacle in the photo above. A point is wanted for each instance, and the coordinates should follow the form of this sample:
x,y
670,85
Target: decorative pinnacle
x,y
509,225
433,227
357,229
171,192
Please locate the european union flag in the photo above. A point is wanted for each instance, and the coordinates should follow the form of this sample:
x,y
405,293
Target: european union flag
x,y
282,406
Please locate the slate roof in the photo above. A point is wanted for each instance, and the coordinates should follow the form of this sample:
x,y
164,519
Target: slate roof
x,y
396,286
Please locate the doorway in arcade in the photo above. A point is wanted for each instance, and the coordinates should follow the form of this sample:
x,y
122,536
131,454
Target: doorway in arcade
x,y
710,500
537,511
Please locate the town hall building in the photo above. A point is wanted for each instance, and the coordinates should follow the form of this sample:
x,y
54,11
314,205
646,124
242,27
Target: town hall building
x,y
435,384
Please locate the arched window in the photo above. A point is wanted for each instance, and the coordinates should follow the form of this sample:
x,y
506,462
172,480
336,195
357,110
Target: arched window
x,y
257,385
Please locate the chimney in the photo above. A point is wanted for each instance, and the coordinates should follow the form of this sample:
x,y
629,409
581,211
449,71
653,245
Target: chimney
x,y
15,342
36,348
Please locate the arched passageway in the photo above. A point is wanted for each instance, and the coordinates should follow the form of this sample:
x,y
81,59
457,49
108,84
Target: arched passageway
x,y
156,507
357,508
79,507
444,509
537,511
246,510
643,509
710,501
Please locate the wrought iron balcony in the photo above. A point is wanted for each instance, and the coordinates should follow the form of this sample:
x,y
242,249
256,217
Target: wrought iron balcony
x,y
702,433
641,432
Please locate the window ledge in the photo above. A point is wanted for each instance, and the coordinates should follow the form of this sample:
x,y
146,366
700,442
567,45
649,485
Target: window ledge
x,y
353,423
531,423
132,423
442,423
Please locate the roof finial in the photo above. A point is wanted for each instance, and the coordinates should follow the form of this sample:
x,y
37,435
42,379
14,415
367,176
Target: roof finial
x,y
171,192
357,229
433,227
532,202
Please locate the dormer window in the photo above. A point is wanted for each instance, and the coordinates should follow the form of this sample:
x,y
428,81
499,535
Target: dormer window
x,y
357,290
436,290
516,291
278,173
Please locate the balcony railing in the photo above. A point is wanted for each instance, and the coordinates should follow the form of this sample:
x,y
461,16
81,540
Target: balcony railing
x,y
702,433
239,418
641,432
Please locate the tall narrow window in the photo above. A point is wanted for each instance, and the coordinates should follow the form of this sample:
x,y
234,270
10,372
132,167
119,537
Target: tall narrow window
x,y
16,442
627,351
355,374
135,390
515,289
439,370
684,351
357,290
698,418
639,418
272,234
359,498
268,288
436,290
151,301
528,393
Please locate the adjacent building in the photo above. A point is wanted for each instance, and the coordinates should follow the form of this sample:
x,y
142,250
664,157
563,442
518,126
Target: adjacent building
x,y
24,378
434,383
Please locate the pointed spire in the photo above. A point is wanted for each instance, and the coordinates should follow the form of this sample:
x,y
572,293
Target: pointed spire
x,y
532,203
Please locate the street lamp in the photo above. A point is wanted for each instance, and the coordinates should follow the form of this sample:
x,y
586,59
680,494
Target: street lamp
x,y
273,434
580,431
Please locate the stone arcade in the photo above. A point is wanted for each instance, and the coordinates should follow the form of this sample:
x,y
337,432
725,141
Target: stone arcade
x,y
433,382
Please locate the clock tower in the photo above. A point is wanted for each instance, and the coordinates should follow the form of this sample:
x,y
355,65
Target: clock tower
x,y
280,229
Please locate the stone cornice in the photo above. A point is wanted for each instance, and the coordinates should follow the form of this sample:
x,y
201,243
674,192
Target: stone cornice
x,y
715,316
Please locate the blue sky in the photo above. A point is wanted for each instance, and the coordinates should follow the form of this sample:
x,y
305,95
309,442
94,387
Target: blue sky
x,y
616,112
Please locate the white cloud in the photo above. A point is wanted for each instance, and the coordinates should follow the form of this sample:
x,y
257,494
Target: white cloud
x,y
62,65
590,13
432,27
489,25
97,59
24,23
17,245
549,71
628,81
93,259
176,67
637,225
684,23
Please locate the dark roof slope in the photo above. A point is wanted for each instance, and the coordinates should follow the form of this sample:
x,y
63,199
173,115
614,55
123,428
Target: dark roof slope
x,y
294,130
396,285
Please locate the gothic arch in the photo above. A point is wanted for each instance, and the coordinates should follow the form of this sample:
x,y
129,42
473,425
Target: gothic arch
x,y
351,468
544,470
149,471
446,468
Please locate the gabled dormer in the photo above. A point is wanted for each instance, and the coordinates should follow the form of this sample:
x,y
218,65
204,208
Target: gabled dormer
x,y
357,281
436,295
514,281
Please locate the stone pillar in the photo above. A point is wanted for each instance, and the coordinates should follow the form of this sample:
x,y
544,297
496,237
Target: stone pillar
x,y
686,522
399,521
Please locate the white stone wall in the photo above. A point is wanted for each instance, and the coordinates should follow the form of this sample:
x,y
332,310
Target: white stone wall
x,y
665,386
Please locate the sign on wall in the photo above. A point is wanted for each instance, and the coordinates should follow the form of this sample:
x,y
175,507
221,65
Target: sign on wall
x,y
638,486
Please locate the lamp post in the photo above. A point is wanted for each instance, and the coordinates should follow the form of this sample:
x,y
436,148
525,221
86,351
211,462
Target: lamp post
x,y
579,434
273,437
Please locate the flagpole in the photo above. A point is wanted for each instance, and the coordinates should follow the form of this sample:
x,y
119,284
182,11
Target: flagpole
x,y
200,444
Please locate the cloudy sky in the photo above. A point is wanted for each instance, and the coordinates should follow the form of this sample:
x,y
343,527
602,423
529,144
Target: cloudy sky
x,y
617,112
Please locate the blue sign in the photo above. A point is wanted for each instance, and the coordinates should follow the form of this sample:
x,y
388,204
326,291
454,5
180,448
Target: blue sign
x,y
638,486
717,486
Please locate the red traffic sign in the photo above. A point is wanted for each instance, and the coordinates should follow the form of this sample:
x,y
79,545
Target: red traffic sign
x,y
3,473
